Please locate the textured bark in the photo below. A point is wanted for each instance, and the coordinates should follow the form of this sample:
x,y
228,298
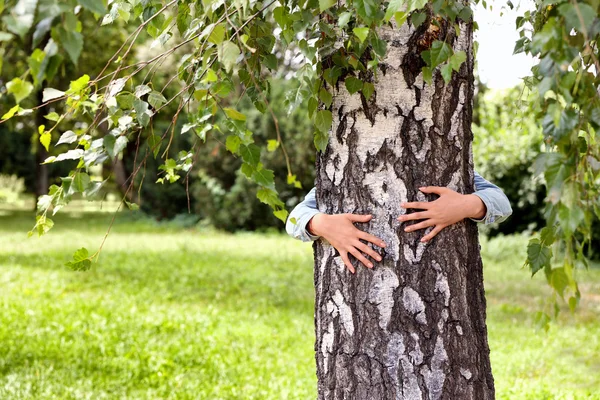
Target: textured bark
x,y
413,327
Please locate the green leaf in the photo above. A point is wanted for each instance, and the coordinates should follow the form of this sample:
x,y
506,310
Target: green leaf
x,y
323,120
321,139
361,33
353,84
228,54
272,145
427,75
53,116
79,85
141,112
343,19
368,90
417,18
95,6
415,5
45,139
250,154
457,59
264,177
379,46
217,35
325,97
10,113
393,7
81,260
234,114
81,181
67,137
114,145
281,214
367,9
559,280
72,41
538,256
154,144
400,18
232,144
19,88
578,16
269,196
156,99
446,72
439,53
325,4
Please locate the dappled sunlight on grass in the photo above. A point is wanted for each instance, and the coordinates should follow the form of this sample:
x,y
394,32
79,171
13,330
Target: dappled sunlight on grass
x,y
175,312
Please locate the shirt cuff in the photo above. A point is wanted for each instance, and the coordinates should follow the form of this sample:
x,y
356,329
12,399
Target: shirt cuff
x,y
302,226
489,217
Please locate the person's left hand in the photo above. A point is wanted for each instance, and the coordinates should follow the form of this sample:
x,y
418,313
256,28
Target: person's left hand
x,y
450,208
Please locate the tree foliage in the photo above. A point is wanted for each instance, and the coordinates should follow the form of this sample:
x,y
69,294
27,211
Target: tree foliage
x,y
222,46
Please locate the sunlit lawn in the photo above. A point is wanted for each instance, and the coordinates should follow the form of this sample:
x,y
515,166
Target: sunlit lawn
x,y
177,313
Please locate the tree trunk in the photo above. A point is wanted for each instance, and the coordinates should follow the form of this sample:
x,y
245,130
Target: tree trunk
x,y
413,327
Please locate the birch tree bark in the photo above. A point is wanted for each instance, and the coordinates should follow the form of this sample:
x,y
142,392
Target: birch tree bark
x,y
413,327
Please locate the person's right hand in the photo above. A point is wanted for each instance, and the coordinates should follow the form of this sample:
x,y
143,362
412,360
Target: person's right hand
x,y
340,232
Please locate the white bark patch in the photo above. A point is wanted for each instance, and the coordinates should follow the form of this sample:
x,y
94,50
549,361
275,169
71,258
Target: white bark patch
x,y
410,384
345,312
414,304
327,344
455,181
384,282
393,90
416,256
434,375
442,287
459,330
424,112
393,353
416,355
466,373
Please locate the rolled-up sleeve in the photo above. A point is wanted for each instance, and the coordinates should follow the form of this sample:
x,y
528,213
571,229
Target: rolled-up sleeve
x,y
497,204
299,217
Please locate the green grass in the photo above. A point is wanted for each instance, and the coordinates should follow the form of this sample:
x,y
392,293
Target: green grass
x,y
176,313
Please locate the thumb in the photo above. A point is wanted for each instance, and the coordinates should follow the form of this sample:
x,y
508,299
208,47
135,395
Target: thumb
x,y
359,218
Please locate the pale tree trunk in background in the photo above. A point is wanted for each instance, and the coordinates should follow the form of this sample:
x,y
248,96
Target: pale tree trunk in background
x,y
414,326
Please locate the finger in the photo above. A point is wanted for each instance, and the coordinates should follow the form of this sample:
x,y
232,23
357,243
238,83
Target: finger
x,y
359,217
417,204
358,255
420,225
433,232
372,239
367,250
434,189
347,262
414,216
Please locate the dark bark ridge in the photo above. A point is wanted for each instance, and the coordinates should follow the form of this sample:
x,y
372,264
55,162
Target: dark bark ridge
x,y
413,327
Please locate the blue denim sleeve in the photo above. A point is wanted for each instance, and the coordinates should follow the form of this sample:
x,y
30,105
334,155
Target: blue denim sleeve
x,y
496,202
301,214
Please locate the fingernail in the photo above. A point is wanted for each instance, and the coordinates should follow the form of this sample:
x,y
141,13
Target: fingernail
x,y
382,244
406,229
378,258
421,188
370,265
